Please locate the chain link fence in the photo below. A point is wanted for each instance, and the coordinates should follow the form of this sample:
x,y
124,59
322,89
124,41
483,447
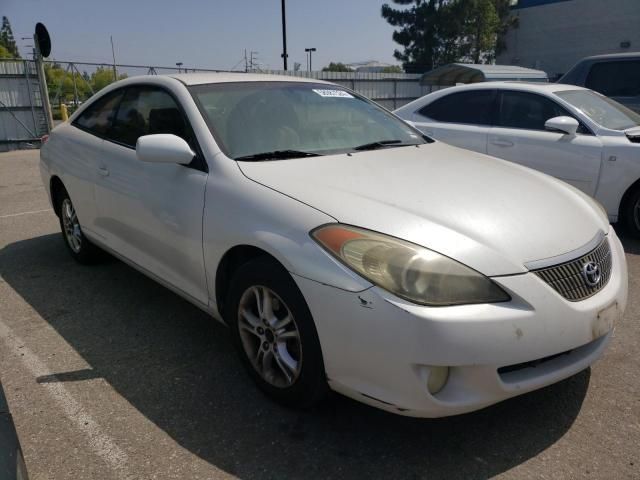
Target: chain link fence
x,y
70,84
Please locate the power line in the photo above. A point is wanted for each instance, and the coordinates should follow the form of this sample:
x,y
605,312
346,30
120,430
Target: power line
x,y
253,60
243,59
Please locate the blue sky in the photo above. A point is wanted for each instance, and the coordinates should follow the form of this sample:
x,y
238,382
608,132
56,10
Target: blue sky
x,y
205,33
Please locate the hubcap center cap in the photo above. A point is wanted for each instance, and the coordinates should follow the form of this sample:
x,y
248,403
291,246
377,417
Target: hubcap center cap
x,y
269,336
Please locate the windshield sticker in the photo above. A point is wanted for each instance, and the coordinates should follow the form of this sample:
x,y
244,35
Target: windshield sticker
x,y
333,93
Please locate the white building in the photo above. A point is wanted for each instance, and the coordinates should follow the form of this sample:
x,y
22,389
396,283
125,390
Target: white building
x,y
554,34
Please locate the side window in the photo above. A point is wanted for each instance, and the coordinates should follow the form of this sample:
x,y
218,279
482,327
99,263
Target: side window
x,y
145,111
527,110
615,79
98,116
473,107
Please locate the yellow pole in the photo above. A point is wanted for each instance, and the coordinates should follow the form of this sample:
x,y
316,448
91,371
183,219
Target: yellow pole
x,y
64,114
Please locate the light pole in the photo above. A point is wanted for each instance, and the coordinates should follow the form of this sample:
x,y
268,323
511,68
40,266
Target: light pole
x,y
310,52
179,65
284,36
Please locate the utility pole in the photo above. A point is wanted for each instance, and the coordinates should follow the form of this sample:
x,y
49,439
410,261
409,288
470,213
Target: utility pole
x,y
310,52
284,36
42,79
253,57
246,65
113,53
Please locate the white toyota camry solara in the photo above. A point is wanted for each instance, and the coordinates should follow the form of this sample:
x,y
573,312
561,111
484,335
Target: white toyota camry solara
x,y
343,249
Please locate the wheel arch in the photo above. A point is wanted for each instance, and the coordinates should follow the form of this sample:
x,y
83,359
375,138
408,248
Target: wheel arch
x,y
233,259
56,188
626,197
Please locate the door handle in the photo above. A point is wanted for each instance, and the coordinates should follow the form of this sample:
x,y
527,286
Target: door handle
x,y
501,142
103,171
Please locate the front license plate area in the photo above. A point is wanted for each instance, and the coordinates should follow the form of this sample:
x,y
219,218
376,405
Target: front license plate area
x,y
606,320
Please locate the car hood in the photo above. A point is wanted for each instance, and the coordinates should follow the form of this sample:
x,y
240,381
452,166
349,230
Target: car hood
x,y
491,215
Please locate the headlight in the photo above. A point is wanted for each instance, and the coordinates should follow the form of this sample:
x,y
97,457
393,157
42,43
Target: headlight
x,y
407,270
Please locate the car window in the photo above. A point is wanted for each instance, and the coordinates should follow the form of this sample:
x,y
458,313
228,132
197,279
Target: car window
x,y
615,79
473,107
602,110
98,117
146,111
251,118
527,110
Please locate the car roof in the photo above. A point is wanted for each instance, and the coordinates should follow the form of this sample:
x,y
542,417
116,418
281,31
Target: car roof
x,y
612,56
229,77
539,87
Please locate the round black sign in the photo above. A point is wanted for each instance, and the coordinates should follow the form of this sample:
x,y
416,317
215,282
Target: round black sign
x,y
44,40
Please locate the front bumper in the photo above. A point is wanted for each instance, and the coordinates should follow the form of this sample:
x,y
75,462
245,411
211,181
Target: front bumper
x,y
378,348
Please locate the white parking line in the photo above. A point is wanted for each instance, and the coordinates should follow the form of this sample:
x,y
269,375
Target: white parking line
x,y
102,444
25,213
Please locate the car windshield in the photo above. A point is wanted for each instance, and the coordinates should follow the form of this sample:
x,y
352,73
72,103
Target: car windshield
x,y
600,109
269,120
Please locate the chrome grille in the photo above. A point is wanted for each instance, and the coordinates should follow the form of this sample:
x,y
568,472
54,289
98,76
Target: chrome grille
x,y
568,278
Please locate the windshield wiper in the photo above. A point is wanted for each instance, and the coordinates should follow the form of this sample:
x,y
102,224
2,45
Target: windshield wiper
x,y
277,155
383,144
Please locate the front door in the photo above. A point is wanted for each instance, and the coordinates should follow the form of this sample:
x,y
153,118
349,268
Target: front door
x,y
151,213
519,136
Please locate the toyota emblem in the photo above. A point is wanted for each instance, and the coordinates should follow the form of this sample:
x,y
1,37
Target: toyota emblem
x,y
591,273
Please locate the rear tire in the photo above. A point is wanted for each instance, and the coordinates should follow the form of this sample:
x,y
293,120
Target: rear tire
x,y
631,213
275,334
79,246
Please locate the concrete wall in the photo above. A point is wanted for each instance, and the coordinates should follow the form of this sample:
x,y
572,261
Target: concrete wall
x,y
554,36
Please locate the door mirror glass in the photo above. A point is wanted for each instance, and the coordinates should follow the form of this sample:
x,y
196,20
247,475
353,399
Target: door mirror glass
x,y
164,148
566,125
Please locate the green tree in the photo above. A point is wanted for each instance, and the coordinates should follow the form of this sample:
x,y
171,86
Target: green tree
x,y
6,39
392,69
483,26
60,82
4,53
436,32
419,33
336,67
102,77
507,21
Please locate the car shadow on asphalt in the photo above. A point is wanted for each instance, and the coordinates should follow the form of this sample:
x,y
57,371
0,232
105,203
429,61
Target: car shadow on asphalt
x,y
177,367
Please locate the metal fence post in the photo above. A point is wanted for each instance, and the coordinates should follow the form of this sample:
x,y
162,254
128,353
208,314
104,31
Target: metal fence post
x,y
395,93
44,90
25,65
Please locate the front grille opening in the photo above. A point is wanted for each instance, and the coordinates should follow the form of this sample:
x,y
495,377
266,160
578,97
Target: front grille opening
x,y
568,280
531,363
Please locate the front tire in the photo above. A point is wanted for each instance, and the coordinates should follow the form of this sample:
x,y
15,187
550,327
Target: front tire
x,y
631,213
81,249
275,334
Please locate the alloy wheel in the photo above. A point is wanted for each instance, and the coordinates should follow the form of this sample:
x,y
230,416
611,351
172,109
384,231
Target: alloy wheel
x,y
72,231
270,337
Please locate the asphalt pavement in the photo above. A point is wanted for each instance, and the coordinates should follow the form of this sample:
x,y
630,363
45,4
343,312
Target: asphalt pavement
x,y
109,375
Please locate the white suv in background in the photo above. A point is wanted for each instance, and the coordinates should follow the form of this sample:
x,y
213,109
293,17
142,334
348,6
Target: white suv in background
x,y
569,132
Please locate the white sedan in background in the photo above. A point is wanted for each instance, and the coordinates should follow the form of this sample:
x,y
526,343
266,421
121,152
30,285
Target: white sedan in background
x,y
569,132
342,248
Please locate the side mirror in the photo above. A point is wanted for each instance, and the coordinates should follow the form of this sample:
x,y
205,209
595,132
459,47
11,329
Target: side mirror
x,y
164,148
566,125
